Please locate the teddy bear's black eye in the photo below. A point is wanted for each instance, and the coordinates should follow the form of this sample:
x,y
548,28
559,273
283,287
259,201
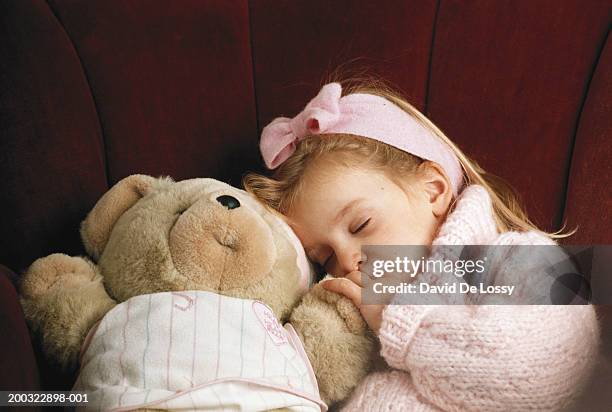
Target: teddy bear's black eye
x,y
228,201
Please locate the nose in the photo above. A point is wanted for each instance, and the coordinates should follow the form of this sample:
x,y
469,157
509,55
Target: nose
x,y
228,201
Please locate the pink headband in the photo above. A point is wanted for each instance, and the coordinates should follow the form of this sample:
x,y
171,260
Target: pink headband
x,y
359,114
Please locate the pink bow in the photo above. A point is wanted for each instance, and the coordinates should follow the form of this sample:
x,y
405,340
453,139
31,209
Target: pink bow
x,y
278,138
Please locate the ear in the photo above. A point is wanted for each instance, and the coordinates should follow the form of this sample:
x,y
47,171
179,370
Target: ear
x,y
97,226
437,187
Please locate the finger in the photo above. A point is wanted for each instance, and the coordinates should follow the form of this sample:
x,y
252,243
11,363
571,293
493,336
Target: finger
x,y
355,277
346,288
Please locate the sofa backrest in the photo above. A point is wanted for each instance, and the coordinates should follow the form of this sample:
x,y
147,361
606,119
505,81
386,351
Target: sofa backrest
x,y
93,91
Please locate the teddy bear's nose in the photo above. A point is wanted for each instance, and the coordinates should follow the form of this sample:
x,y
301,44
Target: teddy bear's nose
x,y
228,201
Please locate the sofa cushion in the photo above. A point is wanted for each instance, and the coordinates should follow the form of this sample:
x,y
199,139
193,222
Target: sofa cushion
x,y
508,80
589,202
51,151
298,45
18,371
172,82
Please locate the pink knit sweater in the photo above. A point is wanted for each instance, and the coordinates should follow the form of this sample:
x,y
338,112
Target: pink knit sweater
x,y
480,358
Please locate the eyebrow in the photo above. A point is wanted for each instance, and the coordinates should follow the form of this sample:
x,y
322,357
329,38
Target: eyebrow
x,y
350,205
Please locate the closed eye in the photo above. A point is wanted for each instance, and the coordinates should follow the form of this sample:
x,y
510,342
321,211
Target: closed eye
x,y
362,226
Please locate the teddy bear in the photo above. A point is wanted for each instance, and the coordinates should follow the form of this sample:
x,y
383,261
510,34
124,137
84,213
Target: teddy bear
x,y
194,296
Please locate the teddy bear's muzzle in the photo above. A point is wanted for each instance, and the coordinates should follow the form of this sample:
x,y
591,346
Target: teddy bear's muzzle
x,y
221,248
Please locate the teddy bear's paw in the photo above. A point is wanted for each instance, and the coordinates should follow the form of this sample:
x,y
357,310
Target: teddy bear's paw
x,y
56,271
345,308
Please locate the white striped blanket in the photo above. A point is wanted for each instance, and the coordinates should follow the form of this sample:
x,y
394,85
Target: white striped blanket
x,y
195,350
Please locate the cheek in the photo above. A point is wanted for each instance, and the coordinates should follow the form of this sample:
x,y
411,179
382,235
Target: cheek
x,y
411,227
302,236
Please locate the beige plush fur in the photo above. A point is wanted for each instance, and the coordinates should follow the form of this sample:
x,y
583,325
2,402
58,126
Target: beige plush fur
x,y
62,297
338,339
152,235
95,230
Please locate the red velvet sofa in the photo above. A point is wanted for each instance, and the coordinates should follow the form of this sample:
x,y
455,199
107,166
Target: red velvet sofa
x,y
92,91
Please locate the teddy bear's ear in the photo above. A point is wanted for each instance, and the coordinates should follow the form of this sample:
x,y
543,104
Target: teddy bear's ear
x,y
97,226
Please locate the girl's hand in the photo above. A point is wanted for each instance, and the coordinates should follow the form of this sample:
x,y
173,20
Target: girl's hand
x,y
351,287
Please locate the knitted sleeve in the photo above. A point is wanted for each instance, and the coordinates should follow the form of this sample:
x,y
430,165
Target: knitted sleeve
x,y
530,357
388,391
493,357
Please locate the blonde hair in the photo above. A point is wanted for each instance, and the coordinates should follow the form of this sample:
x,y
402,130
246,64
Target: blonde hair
x,y
279,192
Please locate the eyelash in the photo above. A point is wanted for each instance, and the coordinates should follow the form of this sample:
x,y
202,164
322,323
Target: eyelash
x,y
363,225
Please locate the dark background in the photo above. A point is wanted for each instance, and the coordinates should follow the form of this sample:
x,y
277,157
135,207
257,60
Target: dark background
x,y
92,91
